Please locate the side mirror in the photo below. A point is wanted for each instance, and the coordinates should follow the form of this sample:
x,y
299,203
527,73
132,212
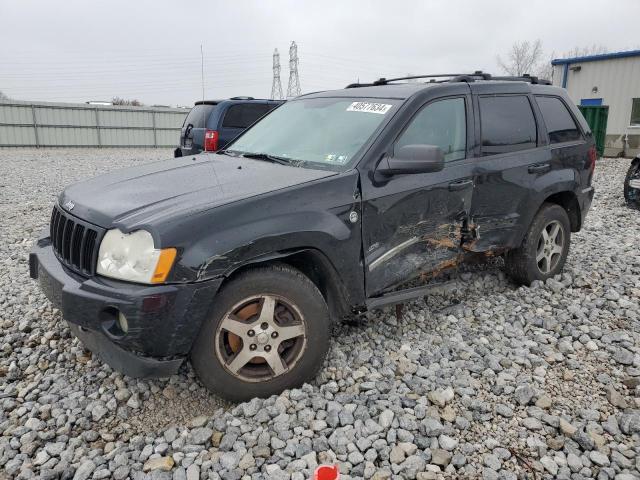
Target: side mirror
x,y
413,159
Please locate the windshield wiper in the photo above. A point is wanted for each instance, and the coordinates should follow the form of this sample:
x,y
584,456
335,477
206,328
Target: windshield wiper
x,y
267,157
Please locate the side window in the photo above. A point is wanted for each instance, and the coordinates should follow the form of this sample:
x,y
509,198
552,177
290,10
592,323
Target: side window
x,y
559,122
243,115
442,123
507,124
635,112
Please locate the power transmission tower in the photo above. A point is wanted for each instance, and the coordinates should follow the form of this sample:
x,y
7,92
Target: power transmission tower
x,y
293,90
276,87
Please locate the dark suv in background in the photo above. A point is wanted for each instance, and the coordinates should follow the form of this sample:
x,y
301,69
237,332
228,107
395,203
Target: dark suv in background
x,y
333,204
211,124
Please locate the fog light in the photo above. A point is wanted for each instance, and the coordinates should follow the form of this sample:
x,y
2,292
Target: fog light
x,y
114,322
123,323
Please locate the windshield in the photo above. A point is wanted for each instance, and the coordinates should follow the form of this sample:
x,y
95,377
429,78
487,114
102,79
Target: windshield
x,y
316,132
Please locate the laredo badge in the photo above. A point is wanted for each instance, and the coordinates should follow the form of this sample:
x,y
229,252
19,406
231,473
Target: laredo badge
x,y
369,107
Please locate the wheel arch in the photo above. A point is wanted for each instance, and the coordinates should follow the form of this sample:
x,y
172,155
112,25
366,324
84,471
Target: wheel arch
x,y
569,201
314,265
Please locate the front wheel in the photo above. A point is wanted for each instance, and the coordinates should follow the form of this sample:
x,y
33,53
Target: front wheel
x,y
544,249
632,185
269,330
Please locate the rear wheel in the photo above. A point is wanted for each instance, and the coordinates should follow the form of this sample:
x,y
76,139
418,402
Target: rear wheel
x,y
544,248
632,185
269,330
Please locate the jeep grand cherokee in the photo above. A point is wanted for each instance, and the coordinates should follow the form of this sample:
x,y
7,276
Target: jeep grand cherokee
x,y
332,204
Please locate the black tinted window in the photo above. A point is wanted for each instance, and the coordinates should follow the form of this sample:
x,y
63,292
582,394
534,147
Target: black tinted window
x,y
560,124
442,123
635,111
198,115
507,124
243,115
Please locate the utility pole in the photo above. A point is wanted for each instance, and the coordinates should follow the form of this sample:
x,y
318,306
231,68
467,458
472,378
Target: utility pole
x,y
276,87
293,90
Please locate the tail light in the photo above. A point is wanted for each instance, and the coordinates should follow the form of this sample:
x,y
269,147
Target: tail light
x,y
210,141
593,155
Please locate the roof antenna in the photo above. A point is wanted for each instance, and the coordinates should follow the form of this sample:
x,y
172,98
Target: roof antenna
x,y
204,110
202,71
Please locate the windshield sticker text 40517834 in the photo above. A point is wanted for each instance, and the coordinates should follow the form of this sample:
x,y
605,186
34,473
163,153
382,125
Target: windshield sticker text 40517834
x,y
369,107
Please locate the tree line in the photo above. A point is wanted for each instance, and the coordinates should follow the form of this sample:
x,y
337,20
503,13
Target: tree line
x,y
529,57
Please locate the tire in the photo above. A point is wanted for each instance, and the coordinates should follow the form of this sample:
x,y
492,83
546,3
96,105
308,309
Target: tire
x,y
242,365
522,263
632,195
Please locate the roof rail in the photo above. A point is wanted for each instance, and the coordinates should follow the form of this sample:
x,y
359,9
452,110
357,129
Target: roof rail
x,y
455,77
524,78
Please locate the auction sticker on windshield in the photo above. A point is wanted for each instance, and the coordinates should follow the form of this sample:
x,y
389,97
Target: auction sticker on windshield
x,y
369,107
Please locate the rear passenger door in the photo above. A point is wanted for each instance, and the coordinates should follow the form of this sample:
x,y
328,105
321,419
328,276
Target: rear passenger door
x,y
508,162
238,117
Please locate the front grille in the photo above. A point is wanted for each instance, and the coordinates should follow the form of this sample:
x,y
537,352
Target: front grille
x,y
74,241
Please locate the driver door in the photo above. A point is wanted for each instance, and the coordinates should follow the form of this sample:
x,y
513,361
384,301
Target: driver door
x,y
413,224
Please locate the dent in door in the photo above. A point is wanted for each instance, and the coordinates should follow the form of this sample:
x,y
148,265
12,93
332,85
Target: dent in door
x,y
430,227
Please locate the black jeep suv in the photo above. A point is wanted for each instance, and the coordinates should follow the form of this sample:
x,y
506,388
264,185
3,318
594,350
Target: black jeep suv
x,y
332,204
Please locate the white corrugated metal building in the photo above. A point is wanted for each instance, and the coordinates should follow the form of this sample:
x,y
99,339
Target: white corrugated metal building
x,y
611,79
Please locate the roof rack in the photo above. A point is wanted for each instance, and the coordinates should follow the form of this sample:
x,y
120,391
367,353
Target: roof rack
x,y
456,77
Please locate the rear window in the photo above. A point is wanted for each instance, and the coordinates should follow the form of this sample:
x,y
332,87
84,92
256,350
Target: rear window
x,y
560,124
243,115
198,115
507,124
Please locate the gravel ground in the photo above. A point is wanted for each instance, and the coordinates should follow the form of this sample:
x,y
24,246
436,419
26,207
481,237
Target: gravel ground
x,y
484,381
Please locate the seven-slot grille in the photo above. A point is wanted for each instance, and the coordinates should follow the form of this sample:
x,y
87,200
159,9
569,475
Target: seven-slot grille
x,y
75,242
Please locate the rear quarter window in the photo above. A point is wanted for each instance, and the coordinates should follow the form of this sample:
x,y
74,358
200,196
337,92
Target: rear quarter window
x,y
243,115
560,124
507,124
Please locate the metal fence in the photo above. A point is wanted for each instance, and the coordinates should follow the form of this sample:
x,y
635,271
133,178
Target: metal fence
x,y
44,124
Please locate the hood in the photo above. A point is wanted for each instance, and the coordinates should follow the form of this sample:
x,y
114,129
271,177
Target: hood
x,y
147,194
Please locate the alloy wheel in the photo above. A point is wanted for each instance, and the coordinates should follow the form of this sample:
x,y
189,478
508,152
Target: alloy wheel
x,y
260,338
550,246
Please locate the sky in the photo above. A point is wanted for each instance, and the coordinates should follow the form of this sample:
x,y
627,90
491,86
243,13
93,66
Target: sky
x,y
79,50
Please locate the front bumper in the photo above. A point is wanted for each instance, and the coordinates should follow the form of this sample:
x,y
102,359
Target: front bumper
x,y
163,320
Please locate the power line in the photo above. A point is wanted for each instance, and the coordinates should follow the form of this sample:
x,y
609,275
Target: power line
x,y
276,86
293,90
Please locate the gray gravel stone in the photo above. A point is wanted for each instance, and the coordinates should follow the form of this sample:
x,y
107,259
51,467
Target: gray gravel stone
x,y
447,443
85,470
599,458
524,394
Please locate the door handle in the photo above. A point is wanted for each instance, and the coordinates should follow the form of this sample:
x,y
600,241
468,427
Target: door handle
x,y
539,168
460,185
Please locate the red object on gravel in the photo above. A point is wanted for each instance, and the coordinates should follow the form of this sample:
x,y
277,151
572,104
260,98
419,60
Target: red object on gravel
x,y
327,472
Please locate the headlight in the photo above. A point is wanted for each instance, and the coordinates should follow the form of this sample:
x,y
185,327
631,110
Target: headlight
x,y
133,257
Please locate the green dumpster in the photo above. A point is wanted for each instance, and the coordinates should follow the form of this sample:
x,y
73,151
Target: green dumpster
x,y
596,117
